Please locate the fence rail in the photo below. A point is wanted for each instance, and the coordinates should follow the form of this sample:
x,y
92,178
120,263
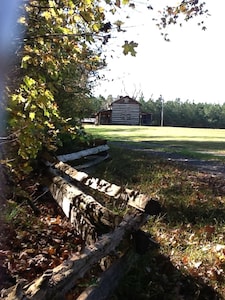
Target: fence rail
x,y
104,231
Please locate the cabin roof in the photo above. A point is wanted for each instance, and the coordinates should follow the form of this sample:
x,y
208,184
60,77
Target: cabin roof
x,y
126,100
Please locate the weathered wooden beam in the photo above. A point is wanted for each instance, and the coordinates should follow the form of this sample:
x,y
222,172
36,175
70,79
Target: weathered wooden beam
x,y
92,162
129,196
83,211
109,280
83,153
54,284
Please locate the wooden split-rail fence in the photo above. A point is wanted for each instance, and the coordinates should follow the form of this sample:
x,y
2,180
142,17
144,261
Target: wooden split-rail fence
x,y
105,232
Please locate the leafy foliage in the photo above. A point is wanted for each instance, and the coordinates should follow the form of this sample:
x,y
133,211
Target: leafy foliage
x,y
186,114
53,81
129,48
171,15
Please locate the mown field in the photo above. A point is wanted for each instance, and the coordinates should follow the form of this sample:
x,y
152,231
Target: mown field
x,y
151,133
184,140
190,231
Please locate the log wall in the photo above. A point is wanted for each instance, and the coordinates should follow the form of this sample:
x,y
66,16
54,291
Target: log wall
x,y
125,114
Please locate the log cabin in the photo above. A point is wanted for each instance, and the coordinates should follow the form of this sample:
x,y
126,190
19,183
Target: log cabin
x,y
124,111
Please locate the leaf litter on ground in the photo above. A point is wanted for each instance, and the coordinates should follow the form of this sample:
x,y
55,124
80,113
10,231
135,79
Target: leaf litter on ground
x,y
190,232
30,245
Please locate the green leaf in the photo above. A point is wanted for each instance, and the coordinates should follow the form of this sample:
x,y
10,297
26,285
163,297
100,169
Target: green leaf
x,y
28,81
46,113
128,47
88,16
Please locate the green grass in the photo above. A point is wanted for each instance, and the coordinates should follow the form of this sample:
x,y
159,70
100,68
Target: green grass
x,y
190,263
149,133
193,142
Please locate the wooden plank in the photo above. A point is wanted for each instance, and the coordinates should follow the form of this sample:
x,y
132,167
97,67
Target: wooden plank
x,y
83,153
110,279
93,162
129,196
55,283
83,211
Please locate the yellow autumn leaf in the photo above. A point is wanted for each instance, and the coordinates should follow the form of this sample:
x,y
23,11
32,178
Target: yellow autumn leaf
x,y
47,15
22,20
88,2
40,41
52,3
32,115
183,8
26,58
96,27
101,9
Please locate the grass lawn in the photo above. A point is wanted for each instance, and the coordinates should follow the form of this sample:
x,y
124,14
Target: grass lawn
x,y
206,143
190,263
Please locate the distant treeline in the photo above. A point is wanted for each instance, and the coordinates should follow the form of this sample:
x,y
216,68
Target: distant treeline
x,y
176,112
185,114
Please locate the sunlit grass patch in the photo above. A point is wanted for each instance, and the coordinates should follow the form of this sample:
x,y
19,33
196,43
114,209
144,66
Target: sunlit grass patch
x,y
192,142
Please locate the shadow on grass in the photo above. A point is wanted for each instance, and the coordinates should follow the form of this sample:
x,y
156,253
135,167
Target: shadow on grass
x,y
171,144
154,276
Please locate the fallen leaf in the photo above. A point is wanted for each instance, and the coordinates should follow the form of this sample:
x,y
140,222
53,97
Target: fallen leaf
x,y
5,253
209,230
51,251
185,259
197,264
219,247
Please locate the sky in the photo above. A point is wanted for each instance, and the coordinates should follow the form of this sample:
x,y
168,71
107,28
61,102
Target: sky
x,y
190,67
